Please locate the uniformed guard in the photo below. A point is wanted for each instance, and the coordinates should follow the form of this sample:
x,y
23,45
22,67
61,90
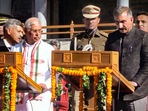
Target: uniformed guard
x,y
92,38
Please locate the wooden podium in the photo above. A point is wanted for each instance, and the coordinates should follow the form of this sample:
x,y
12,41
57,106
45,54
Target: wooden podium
x,y
24,83
101,59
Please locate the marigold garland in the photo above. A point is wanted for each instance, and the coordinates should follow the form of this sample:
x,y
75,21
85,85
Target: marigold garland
x,y
109,91
9,90
13,88
53,83
90,71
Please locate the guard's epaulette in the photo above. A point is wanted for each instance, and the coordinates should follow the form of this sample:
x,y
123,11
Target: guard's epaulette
x,y
103,33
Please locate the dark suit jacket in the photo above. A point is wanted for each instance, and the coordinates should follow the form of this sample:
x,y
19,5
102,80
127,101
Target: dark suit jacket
x,y
133,58
3,47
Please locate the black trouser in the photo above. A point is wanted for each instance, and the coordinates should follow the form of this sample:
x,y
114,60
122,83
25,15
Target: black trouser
x,y
120,105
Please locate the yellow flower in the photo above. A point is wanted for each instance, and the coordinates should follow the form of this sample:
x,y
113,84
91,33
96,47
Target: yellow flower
x,y
90,71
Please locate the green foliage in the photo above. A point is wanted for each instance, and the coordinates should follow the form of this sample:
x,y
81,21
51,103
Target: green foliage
x,y
7,84
86,83
101,91
86,87
59,88
60,69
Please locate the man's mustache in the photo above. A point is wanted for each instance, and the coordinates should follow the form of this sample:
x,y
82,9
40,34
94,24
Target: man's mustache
x,y
122,28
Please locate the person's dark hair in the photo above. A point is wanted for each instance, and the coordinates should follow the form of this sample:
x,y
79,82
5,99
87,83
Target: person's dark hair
x,y
121,9
142,13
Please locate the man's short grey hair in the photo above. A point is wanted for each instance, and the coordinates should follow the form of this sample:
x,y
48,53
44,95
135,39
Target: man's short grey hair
x,y
31,21
12,22
121,9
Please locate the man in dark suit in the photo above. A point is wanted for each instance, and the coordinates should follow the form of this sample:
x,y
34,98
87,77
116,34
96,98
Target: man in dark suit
x,y
132,45
13,33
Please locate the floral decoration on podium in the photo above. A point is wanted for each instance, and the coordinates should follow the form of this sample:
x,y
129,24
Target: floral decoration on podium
x,y
102,85
9,88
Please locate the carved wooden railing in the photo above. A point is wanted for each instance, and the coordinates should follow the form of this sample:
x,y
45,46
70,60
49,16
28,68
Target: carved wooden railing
x,y
76,28
72,29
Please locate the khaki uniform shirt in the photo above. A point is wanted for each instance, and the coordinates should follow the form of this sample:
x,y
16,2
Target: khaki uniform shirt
x,y
89,43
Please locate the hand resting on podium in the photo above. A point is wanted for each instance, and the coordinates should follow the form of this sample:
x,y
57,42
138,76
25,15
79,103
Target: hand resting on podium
x,y
134,83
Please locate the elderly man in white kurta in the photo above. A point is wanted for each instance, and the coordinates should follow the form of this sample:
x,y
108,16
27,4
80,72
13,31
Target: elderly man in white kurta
x,y
37,65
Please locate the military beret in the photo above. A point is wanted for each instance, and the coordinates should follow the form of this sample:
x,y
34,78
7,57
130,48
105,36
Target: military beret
x,y
91,11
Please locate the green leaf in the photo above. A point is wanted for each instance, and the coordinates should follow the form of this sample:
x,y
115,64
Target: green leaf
x,y
60,69
85,77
